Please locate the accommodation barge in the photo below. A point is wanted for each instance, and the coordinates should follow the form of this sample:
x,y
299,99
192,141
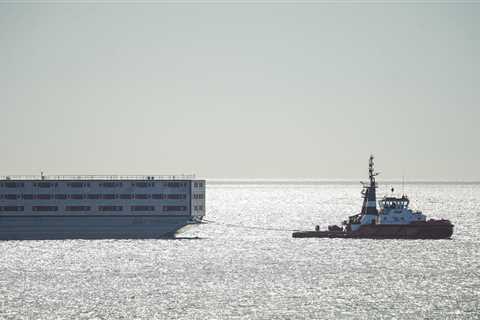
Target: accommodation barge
x,y
98,207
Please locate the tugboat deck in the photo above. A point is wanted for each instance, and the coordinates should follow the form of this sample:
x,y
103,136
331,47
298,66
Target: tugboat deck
x,y
320,234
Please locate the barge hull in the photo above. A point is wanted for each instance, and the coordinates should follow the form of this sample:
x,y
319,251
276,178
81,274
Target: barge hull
x,y
91,227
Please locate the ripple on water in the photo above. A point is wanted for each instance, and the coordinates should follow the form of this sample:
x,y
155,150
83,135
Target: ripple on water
x,y
243,273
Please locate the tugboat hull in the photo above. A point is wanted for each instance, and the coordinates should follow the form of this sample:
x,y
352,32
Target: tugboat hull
x,y
433,229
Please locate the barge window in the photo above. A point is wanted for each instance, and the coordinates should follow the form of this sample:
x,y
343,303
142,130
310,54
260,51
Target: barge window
x,y
174,184
44,208
142,208
174,208
45,184
177,196
143,184
14,184
110,184
11,208
77,208
78,184
140,184
110,208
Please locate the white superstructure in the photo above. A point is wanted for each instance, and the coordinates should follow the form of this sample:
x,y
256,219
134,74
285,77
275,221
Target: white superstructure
x,y
395,211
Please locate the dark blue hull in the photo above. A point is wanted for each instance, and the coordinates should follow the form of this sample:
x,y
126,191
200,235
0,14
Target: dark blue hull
x,y
46,227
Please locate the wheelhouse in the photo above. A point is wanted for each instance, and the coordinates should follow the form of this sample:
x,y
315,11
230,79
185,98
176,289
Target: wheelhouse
x,y
394,203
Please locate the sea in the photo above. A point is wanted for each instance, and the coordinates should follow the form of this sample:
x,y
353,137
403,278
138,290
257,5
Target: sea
x,y
244,264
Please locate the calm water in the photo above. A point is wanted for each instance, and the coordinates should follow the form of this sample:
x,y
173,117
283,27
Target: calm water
x,y
240,273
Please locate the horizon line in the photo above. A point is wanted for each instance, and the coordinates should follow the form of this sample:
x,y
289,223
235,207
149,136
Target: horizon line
x,y
333,181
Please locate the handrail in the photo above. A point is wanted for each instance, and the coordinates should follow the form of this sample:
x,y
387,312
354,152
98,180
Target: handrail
x,y
99,177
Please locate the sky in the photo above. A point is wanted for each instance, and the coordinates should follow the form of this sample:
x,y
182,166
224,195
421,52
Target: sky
x,y
241,90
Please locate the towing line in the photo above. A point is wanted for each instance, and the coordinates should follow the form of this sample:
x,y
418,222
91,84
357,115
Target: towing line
x,y
231,225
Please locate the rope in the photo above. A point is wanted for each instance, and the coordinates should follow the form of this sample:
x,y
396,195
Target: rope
x,y
231,225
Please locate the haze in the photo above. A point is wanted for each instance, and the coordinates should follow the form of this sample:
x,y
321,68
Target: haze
x,y
274,91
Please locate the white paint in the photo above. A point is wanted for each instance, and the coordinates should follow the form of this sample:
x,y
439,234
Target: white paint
x,y
399,216
195,205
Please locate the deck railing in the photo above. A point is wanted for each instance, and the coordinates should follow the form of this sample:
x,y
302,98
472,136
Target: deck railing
x,y
99,177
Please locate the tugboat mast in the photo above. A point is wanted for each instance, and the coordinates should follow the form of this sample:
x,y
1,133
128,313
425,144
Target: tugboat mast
x,y
369,191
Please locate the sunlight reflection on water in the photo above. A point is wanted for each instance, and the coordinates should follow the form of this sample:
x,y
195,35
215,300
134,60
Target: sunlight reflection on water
x,y
232,272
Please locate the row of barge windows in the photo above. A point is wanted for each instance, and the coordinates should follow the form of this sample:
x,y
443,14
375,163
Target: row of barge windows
x,y
107,184
88,208
160,196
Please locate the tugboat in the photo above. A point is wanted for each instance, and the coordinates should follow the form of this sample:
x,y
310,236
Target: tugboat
x,y
394,220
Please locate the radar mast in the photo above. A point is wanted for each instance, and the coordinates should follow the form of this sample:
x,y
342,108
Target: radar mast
x,y
369,191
